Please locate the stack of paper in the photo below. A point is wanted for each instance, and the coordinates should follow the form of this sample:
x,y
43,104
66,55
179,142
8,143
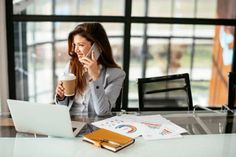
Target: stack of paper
x,y
150,127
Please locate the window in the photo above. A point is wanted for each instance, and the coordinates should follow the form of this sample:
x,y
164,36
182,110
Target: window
x,y
72,7
148,38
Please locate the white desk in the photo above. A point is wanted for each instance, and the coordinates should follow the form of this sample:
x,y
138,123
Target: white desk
x,y
215,145
199,143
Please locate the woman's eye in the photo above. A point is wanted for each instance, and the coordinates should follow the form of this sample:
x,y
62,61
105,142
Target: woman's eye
x,y
77,45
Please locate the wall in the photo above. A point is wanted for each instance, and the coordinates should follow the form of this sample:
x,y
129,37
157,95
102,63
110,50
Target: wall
x,y
3,60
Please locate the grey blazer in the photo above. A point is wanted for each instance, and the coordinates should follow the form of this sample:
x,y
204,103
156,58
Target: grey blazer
x,y
104,91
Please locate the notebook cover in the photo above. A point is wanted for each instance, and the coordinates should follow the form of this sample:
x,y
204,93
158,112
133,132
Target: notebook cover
x,y
108,139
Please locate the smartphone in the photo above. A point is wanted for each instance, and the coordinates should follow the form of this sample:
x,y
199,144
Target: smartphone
x,y
95,51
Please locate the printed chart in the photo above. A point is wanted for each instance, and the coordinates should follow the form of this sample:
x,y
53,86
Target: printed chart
x,y
120,125
150,127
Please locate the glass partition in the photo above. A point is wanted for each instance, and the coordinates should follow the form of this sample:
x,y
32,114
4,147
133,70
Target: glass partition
x,y
158,43
185,8
203,51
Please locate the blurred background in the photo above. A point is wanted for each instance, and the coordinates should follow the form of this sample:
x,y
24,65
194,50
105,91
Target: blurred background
x,y
148,38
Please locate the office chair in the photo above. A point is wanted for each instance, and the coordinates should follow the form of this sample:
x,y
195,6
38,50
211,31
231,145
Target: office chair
x,y
171,92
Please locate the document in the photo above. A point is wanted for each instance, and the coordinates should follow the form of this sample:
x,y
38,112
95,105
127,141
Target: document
x,y
150,127
158,127
120,125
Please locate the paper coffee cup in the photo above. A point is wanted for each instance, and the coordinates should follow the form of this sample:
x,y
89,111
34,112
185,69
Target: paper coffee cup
x,y
68,81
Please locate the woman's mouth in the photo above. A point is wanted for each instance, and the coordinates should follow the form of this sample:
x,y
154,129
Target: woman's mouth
x,y
80,55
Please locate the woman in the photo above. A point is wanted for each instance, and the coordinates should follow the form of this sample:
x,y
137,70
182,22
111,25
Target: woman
x,y
98,82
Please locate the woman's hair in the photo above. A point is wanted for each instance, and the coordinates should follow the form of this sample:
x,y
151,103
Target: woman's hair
x,y
95,33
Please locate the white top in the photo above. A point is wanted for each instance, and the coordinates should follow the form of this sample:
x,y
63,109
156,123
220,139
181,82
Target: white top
x,y
81,105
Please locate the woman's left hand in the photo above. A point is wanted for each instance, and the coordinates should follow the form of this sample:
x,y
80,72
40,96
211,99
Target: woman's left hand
x,y
92,66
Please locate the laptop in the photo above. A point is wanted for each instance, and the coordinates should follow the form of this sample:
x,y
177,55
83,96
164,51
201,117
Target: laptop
x,y
43,119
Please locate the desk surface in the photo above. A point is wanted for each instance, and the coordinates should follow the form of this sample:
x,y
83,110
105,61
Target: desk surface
x,y
214,145
206,137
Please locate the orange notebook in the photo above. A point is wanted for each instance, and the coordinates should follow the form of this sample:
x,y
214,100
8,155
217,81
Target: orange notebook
x,y
108,139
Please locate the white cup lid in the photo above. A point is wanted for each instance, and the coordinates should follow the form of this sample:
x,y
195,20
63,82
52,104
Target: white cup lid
x,y
68,76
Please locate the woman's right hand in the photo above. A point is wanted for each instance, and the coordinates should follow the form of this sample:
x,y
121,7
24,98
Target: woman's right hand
x,y
60,90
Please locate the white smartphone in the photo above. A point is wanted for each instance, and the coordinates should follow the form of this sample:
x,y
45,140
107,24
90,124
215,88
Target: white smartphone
x,y
95,51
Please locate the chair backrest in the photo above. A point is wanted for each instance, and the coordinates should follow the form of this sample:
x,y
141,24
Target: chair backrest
x,y
232,89
171,92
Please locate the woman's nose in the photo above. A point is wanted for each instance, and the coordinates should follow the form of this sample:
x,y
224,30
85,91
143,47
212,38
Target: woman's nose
x,y
76,48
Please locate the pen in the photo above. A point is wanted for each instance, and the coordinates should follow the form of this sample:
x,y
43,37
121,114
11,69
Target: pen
x,y
111,142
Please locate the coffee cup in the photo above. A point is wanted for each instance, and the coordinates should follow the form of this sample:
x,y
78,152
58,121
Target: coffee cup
x,y
68,82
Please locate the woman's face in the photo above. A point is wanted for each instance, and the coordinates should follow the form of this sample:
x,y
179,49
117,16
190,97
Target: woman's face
x,y
82,46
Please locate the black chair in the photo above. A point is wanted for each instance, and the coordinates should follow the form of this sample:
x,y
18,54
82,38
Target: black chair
x,y
171,92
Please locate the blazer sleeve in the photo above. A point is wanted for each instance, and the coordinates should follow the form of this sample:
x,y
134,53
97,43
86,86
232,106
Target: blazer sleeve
x,y
65,101
104,97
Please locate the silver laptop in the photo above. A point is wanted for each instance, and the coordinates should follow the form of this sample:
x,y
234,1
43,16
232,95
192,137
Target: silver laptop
x,y
43,119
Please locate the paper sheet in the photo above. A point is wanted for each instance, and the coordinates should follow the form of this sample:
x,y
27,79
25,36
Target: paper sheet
x,y
150,127
120,125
